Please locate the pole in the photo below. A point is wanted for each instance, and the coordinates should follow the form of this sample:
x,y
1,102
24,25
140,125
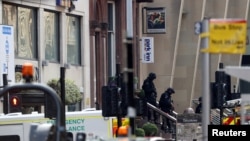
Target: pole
x,y
221,107
129,74
5,98
130,86
118,78
205,81
63,114
62,81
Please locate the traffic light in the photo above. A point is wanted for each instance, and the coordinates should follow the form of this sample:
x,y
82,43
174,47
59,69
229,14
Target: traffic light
x,y
221,88
219,94
109,101
222,77
15,103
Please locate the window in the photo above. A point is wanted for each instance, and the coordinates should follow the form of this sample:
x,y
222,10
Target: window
x,y
51,43
111,40
23,20
73,40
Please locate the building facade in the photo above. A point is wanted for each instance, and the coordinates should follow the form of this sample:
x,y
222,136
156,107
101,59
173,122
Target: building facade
x,y
51,34
178,59
107,48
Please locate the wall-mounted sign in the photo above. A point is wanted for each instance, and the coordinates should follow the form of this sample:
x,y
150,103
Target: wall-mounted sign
x,y
147,45
7,53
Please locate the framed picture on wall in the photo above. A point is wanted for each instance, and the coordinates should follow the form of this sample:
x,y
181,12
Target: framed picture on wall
x,y
154,19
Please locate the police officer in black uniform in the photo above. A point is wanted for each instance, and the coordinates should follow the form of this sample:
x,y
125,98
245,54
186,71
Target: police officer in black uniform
x,y
150,94
166,105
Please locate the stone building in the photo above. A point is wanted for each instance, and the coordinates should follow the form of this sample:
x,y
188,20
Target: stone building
x,y
178,59
50,34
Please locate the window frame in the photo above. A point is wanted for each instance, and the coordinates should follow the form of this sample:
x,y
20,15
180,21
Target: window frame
x,y
79,42
57,36
34,34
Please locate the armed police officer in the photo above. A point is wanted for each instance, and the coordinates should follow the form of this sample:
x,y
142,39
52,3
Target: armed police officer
x,y
166,105
150,94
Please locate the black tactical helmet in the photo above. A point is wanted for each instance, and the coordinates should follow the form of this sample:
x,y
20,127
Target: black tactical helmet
x,y
170,91
200,98
152,75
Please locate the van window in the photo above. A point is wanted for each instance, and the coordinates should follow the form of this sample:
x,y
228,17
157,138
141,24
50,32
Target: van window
x,y
10,138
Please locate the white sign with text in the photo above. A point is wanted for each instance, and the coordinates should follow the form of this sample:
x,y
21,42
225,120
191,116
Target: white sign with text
x,y
7,65
147,51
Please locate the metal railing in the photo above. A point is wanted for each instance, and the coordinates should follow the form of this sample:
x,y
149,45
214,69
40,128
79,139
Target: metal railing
x,y
163,115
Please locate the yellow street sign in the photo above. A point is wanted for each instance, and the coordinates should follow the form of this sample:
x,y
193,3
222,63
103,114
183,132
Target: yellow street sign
x,y
227,36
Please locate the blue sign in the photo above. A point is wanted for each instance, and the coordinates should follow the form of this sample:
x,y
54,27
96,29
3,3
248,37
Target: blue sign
x,y
63,2
6,30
